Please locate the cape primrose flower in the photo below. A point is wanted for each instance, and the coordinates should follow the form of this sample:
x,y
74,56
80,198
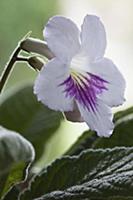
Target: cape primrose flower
x,y
79,80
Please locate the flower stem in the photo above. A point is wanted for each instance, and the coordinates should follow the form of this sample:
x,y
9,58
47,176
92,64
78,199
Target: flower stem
x,y
29,45
23,59
8,68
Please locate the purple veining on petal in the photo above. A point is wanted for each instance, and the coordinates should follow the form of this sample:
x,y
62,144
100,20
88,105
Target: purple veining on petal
x,y
70,89
86,90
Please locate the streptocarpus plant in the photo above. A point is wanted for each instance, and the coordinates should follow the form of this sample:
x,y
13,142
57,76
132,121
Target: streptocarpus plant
x,y
75,78
78,79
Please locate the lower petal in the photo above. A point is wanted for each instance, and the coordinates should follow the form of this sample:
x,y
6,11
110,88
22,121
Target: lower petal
x,y
100,120
47,86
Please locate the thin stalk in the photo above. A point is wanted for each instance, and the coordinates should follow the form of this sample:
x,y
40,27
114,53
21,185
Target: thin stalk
x,y
8,68
23,59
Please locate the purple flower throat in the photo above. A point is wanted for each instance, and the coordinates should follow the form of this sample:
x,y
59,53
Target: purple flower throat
x,y
84,88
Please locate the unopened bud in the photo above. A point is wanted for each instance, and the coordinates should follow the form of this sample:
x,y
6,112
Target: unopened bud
x,y
35,63
36,46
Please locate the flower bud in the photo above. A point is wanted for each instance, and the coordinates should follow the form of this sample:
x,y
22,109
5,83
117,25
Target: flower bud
x,y
36,46
35,63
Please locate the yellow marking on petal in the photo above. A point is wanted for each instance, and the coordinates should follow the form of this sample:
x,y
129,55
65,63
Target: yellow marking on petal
x,y
78,77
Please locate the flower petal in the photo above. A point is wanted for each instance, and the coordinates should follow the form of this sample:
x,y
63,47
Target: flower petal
x,y
93,37
100,120
48,89
62,36
106,69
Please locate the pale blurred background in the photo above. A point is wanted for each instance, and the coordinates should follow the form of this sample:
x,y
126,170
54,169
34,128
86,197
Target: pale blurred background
x,y
19,17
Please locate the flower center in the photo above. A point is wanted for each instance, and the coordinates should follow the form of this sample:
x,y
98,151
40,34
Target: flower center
x,y
83,86
79,62
78,77
78,67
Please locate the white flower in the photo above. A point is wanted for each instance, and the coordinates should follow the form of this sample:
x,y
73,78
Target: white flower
x,y
79,78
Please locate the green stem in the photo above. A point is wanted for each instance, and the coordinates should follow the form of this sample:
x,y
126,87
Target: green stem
x,y
8,68
23,59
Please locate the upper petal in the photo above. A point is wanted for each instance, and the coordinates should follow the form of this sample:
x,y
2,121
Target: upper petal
x,y
93,37
62,36
48,89
106,69
100,120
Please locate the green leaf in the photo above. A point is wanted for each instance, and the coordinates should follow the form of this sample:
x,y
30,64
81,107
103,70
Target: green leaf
x,y
13,193
123,113
16,154
21,112
94,174
85,141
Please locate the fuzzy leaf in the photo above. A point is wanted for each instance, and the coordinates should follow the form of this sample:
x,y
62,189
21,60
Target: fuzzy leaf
x,y
16,154
94,174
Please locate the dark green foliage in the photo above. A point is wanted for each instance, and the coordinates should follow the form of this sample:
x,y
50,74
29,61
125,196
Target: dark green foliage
x,y
16,153
21,112
94,174
103,173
